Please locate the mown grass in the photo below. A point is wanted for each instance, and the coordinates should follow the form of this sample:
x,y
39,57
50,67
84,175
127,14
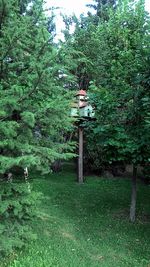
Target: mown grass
x,y
87,225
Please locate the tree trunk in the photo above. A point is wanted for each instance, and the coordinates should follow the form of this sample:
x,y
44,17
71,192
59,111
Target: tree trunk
x,y
80,158
57,166
133,194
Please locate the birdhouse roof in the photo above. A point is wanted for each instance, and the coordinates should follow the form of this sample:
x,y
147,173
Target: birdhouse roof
x,y
81,92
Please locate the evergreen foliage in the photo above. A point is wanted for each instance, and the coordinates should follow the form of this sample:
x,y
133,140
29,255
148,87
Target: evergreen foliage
x,y
34,105
17,208
34,110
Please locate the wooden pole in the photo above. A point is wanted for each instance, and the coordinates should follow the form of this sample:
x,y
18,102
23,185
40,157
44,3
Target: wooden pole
x,y
133,195
80,158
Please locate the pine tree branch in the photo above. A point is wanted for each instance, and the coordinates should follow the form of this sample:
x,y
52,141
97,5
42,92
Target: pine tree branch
x,y
9,47
34,88
27,96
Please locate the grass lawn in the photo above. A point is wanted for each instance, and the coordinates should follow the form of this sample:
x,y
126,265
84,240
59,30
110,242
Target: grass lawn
x,y
87,225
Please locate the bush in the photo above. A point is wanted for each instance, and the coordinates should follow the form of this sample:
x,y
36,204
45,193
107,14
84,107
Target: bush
x,y
17,209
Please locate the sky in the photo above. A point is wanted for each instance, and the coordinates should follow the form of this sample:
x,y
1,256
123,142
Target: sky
x,y
67,7
70,6
73,6
78,6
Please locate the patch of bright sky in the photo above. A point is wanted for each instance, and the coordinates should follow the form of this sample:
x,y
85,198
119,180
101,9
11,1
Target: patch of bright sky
x,y
73,6
67,7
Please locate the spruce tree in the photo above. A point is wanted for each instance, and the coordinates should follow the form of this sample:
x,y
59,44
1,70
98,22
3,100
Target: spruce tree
x,y
34,106
34,111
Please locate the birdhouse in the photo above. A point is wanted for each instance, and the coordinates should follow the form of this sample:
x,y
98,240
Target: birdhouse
x,y
81,108
81,95
74,110
87,111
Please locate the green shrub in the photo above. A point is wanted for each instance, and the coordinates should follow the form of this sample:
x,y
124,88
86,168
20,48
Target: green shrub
x,y
17,209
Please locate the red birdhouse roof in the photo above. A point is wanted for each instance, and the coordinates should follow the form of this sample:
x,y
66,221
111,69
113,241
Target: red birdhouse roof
x,y
81,92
